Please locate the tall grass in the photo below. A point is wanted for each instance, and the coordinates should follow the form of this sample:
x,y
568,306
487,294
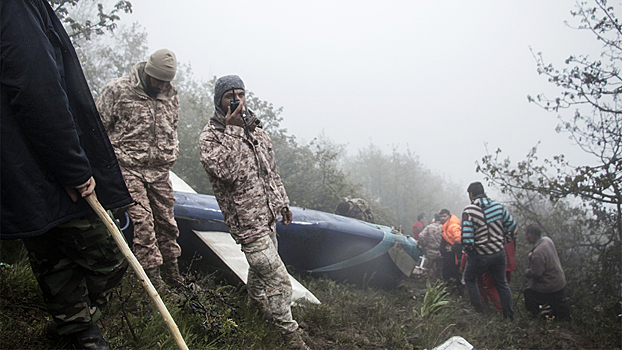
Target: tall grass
x,y
418,314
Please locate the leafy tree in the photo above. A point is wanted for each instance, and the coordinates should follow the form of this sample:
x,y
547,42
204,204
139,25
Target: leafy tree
x,y
311,173
589,196
86,27
105,53
108,57
400,183
196,106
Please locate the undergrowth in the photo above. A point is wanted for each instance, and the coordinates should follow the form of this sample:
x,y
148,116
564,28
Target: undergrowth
x,y
418,314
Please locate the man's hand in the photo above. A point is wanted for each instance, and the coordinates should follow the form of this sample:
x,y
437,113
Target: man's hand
x,y
85,189
235,117
287,216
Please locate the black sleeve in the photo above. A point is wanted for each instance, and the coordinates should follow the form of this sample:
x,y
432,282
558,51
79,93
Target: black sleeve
x,y
32,79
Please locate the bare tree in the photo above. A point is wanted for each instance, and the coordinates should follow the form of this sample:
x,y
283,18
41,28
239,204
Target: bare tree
x,y
584,201
590,91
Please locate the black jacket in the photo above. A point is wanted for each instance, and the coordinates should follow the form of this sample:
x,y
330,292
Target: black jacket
x,y
51,133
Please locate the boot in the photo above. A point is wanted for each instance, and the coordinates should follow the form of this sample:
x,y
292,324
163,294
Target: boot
x,y
262,306
90,339
294,340
156,279
170,274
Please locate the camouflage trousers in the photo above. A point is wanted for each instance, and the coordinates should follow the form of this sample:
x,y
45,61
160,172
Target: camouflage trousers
x,y
155,232
268,281
77,265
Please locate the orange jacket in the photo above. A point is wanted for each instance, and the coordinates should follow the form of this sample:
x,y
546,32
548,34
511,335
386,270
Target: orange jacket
x,y
451,229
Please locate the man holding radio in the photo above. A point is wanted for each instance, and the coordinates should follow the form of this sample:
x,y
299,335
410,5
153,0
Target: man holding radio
x,y
237,155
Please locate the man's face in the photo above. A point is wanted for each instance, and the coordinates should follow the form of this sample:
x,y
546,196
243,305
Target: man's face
x,y
154,86
444,218
228,97
530,238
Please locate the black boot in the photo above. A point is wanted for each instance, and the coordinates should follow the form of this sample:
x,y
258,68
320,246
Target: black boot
x,y
90,339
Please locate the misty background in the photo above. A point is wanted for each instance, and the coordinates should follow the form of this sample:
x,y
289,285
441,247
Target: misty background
x,y
442,79
391,102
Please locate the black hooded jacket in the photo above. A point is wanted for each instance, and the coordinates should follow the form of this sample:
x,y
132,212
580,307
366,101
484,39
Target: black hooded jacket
x,y
51,133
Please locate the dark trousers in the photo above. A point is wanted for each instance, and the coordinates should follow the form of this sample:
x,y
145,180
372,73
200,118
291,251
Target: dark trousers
x,y
556,300
495,265
451,271
77,265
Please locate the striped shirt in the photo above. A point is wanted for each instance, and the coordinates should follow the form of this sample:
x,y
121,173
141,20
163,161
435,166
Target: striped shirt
x,y
486,227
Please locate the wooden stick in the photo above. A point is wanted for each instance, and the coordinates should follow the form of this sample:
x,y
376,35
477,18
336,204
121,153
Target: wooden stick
x,y
125,249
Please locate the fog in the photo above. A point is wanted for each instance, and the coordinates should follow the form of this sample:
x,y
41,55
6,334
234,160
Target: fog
x,y
440,78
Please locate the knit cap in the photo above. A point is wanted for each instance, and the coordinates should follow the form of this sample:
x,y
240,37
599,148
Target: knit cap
x,y
162,65
224,84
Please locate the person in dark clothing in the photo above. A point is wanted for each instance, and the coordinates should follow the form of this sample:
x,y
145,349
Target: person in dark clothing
x,y
54,151
548,279
451,250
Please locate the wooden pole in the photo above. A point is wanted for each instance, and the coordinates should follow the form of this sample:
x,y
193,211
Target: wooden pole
x,y
138,269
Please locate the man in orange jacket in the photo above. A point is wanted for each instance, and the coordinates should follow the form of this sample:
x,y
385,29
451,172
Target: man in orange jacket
x,y
451,249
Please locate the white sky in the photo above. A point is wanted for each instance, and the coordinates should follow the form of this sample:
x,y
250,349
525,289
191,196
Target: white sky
x,y
439,77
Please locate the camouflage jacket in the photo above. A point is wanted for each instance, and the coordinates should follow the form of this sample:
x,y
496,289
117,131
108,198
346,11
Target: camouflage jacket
x,y
430,239
142,130
243,175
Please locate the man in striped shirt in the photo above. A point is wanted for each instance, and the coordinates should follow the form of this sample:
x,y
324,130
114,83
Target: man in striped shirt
x,y
486,228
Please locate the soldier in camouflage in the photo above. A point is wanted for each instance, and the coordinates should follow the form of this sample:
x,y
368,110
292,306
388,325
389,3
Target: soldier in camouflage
x,y
54,149
140,113
356,208
430,240
75,298
238,158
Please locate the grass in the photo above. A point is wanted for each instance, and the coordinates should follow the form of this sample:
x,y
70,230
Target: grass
x,y
418,314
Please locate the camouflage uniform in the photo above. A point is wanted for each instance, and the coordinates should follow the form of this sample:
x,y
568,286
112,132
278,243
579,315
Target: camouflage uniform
x,y
143,132
251,196
76,264
430,239
360,210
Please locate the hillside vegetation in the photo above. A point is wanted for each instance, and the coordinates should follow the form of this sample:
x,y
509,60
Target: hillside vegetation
x,y
350,317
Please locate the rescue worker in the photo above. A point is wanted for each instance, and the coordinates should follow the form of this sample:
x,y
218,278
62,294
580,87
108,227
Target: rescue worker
x,y
356,208
237,155
140,113
547,276
451,250
486,228
430,240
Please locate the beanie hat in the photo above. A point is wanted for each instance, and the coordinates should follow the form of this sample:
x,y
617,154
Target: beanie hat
x,y
224,84
162,65
476,189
